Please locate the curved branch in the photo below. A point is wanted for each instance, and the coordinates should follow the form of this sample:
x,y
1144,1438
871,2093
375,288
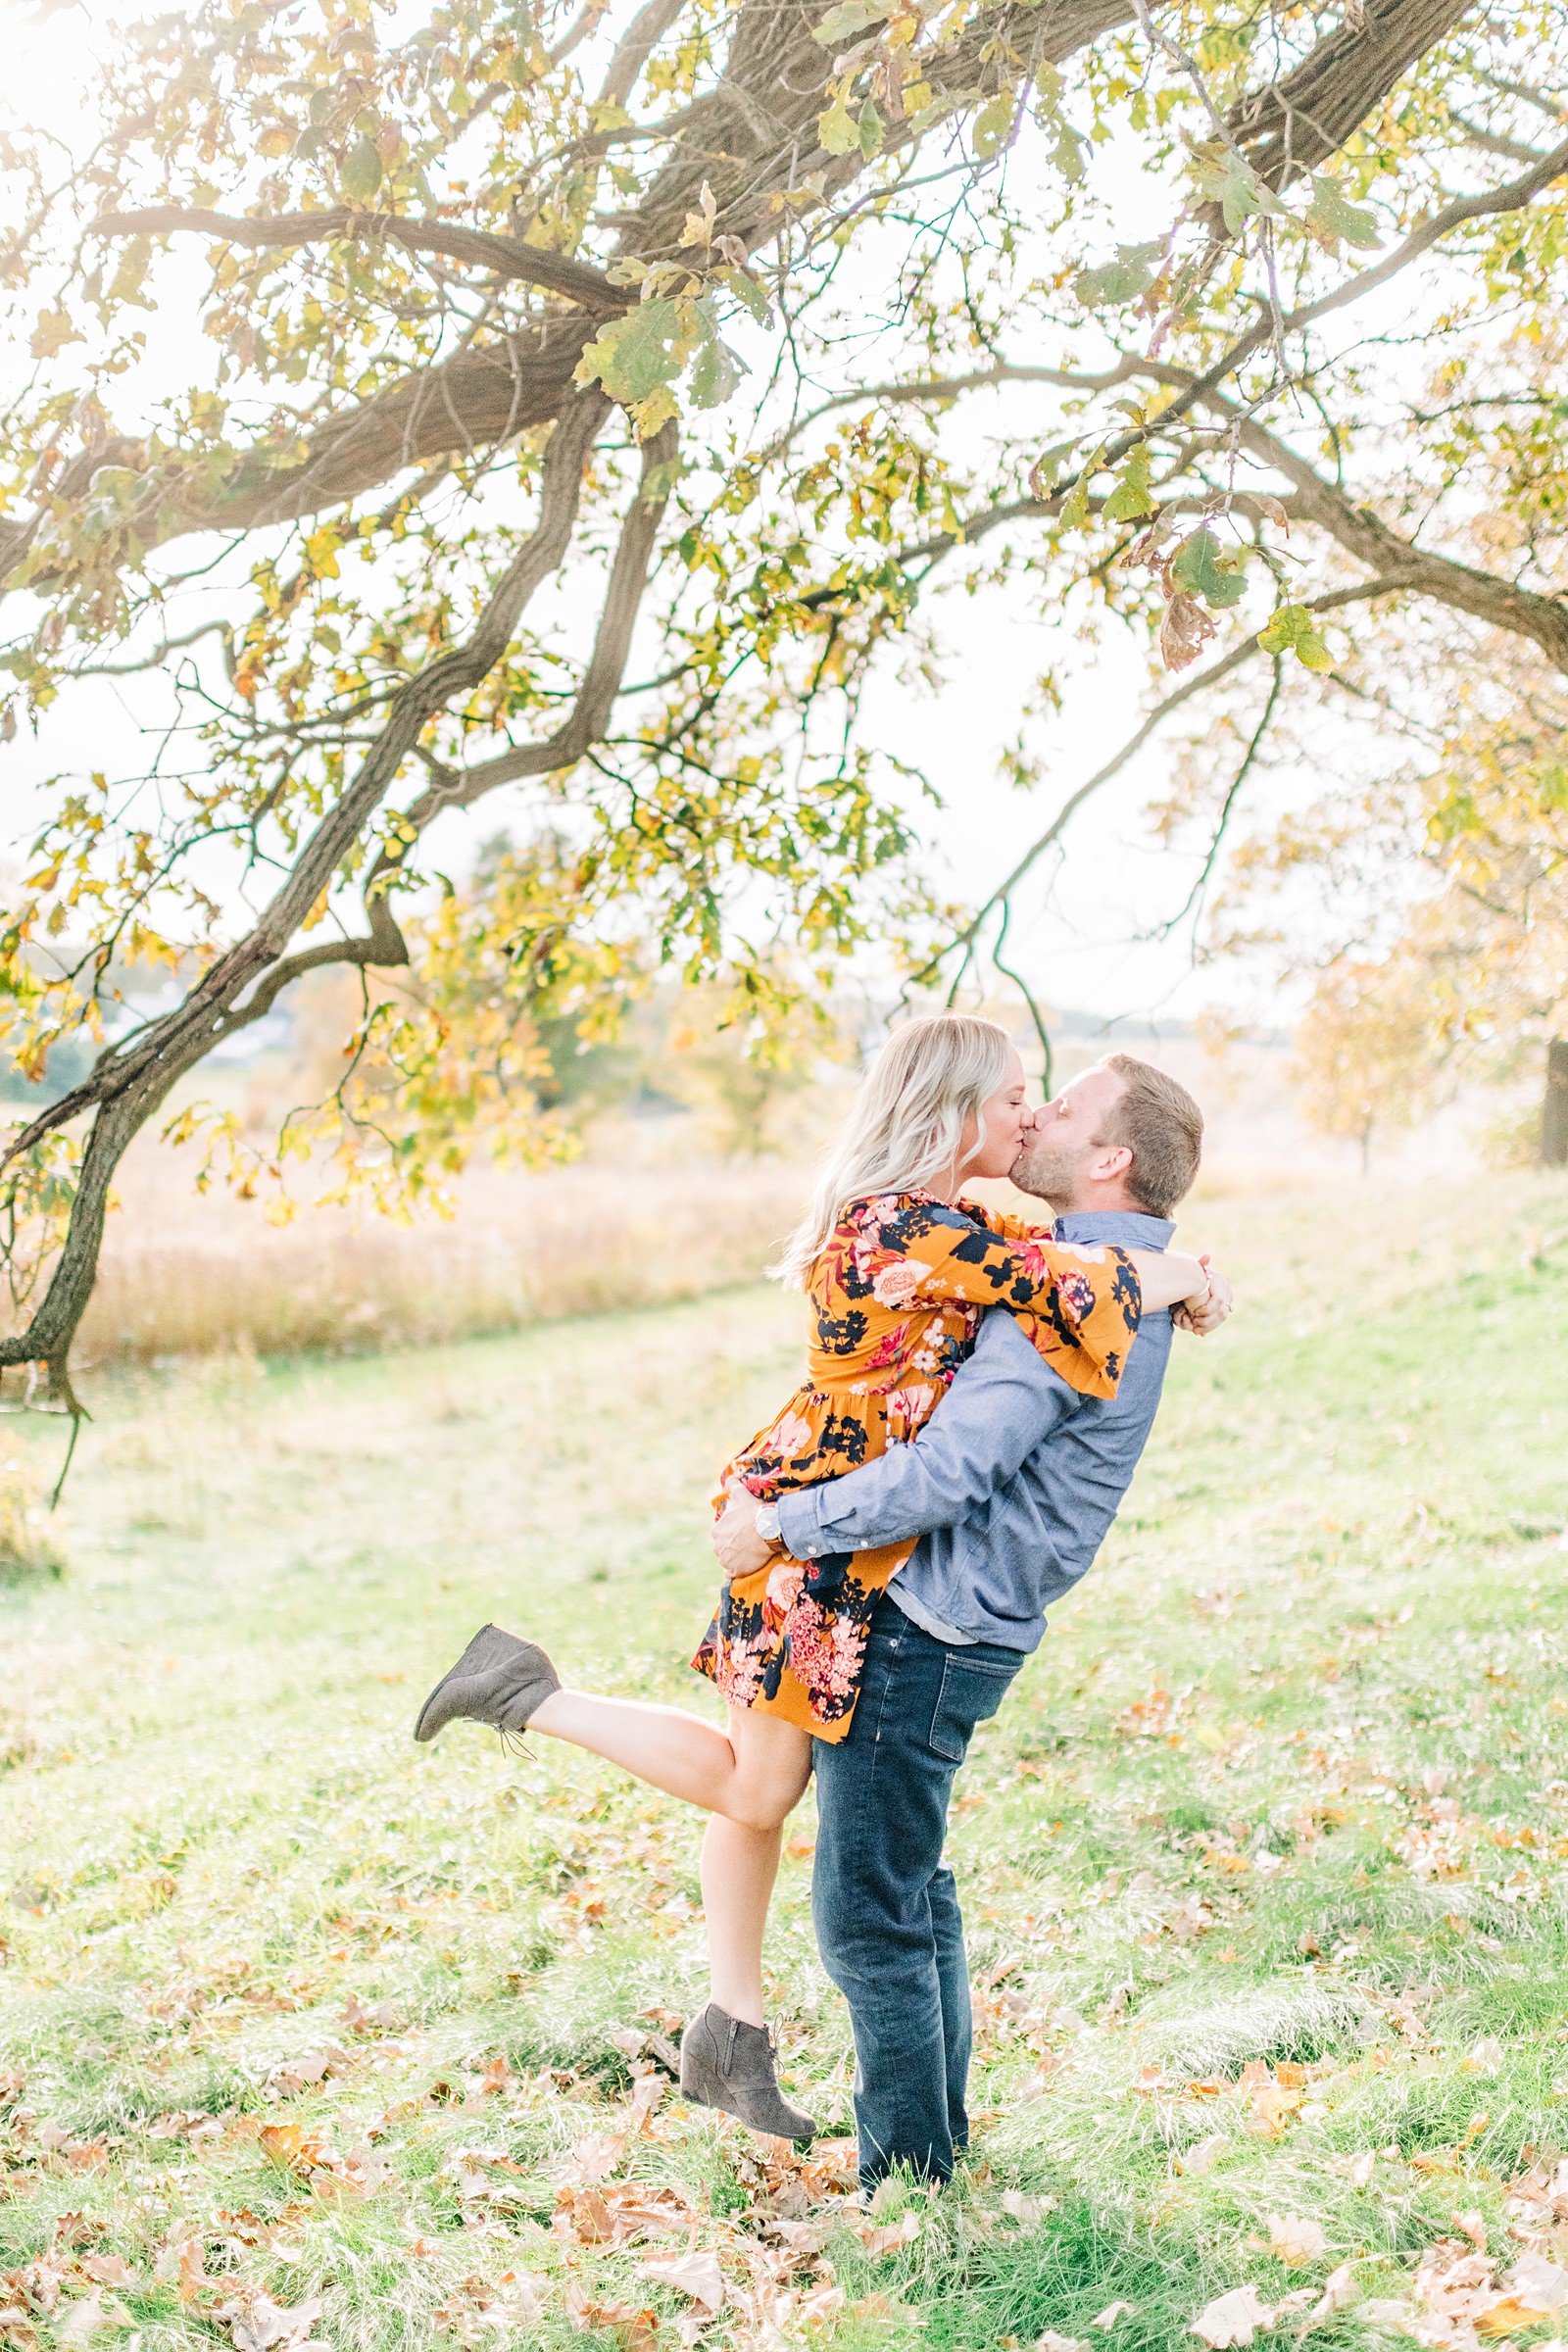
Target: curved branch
x,y
504,256
1228,806
1502,604
1360,593
589,717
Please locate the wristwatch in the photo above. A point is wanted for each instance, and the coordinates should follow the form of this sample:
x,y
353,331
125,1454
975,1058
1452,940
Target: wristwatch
x,y
767,1526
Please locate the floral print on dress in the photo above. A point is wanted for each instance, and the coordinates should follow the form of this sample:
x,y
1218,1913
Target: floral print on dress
x,y
897,1298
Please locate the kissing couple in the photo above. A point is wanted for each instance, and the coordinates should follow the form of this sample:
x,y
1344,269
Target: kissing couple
x,y
978,1392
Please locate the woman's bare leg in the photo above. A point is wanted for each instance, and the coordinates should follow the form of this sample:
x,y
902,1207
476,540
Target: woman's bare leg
x,y
754,1775
739,1868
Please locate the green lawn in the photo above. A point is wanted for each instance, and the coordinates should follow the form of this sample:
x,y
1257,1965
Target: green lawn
x,y
1265,1861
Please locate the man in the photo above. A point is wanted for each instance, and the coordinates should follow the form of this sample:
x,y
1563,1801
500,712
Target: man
x,y
1011,1487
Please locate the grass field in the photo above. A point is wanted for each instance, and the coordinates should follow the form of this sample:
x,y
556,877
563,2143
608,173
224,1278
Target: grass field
x,y
307,2034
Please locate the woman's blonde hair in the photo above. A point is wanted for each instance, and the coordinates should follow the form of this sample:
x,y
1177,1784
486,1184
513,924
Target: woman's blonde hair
x,y
903,1135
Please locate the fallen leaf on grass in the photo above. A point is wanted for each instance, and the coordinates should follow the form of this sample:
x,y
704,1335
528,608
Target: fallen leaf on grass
x,y
589,2217
107,2270
646,2094
1538,2281
89,2317
1050,2342
34,2288
695,2275
256,2323
1202,2155
1026,2209
635,2331
1232,2318
879,2242
1273,2106
1339,2294
593,2159
1110,2315
1292,2238
291,2147
1502,2318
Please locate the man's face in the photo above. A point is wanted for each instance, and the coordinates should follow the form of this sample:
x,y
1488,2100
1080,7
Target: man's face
x,y
1055,1159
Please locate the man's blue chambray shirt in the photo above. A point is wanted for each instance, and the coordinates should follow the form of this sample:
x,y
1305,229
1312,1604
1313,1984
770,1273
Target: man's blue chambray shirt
x,y
1013,1482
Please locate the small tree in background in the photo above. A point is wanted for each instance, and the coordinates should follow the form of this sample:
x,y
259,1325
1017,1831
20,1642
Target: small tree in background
x,y
1365,1057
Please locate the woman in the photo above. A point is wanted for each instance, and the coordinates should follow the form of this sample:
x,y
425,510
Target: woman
x,y
899,1271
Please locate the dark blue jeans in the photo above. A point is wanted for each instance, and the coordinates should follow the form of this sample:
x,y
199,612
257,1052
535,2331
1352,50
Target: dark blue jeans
x,y
886,1911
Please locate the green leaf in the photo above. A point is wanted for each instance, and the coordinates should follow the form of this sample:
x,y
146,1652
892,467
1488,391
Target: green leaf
x,y
1067,155
1046,468
1131,495
1228,180
746,289
1204,570
851,16
1332,211
869,129
1075,505
1122,280
632,357
360,175
716,373
1292,629
838,130
993,125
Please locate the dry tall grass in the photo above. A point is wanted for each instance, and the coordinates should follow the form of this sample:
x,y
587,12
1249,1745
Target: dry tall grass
x,y
189,1276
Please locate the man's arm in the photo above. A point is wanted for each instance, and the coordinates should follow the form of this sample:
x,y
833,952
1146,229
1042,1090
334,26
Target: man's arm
x,y
1005,1402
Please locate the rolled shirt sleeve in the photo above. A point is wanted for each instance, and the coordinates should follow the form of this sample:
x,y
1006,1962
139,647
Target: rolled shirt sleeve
x,y
1003,1403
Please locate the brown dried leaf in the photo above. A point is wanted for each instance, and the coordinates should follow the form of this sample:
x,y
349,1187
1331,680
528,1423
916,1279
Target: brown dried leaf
x,y
291,2147
635,2331
256,2323
109,2269
693,2273
1185,629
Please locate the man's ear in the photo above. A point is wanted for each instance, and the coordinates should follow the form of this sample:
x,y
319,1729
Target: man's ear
x,y
1111,1163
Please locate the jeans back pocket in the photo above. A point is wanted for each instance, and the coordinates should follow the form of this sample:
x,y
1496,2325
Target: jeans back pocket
x,y
972,1690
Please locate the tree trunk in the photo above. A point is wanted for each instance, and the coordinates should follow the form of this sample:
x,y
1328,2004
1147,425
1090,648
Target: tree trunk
x,y
1555,1109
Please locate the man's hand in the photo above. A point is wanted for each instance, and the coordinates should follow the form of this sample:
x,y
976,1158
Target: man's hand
x,y
739,1547
1201,1316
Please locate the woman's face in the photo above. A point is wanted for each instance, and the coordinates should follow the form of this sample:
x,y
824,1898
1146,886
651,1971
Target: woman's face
x,y
1007,1119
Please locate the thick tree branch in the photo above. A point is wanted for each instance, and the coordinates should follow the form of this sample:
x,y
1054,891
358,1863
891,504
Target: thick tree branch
x,y
635,47
1289,126
589,717
504,256
1502,604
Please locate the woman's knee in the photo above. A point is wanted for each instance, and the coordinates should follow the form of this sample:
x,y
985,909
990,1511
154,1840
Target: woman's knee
x,y
763,1808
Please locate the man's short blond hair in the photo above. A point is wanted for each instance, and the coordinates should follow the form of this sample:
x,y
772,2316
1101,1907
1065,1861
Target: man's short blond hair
x,y
1162,1125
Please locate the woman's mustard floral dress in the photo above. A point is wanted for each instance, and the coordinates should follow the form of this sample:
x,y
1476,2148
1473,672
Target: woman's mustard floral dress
x,y
898,1293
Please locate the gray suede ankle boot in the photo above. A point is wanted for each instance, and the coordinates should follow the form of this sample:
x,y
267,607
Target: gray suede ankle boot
x,y
498,1680
726,2064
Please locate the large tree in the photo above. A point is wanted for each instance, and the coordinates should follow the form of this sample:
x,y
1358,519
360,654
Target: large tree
x,y
468,424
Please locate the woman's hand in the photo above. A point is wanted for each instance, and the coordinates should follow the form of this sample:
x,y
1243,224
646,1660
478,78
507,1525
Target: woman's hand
x,y
739,1549
1201,1316
1166,1277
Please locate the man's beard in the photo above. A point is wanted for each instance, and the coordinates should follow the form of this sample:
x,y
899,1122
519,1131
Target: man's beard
x,y
1047,1171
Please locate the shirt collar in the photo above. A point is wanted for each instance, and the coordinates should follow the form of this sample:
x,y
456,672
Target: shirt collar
x,y
1133,1227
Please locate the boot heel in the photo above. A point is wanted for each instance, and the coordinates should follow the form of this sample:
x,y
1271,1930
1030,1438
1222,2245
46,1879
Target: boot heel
x,y
727,2064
